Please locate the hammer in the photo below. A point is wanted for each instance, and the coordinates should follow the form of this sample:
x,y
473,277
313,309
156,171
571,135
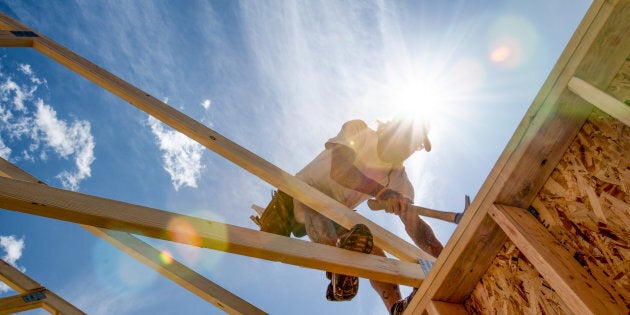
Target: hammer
x,y
453,217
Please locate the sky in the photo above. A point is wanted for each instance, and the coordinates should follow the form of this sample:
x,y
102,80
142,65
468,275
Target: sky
x,y
279,78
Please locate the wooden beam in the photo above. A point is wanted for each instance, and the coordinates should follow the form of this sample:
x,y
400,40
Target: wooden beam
x,y
20,303
8,39
15,279
79,208
595,52
600,99
211,139
177,272
145,253
579,291
21,283
444,308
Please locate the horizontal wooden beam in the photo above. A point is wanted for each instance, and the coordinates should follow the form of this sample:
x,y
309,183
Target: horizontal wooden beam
x,y
600,99
145,253
580,292
214,141
21,283
84,209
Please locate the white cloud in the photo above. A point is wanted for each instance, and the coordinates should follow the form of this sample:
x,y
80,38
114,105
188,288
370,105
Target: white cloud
x,y
12,248
26,69
206,104
74,139
26,118
181,155
4,150
10,89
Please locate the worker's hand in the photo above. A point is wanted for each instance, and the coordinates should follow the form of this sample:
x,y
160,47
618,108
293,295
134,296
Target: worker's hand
x,y
394,201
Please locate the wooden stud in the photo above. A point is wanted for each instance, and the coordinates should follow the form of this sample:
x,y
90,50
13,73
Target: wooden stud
x,y
579,291
211,139
601,100
115,215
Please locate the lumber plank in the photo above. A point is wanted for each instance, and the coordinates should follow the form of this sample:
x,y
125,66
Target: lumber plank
x,y
228,149
145,253
177,272
17,303
15,279
22,283
84,209
445,308
580,292
550,124
600,99
8,39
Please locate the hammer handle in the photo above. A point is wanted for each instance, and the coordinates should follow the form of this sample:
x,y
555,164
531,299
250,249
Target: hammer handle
x,y
453,217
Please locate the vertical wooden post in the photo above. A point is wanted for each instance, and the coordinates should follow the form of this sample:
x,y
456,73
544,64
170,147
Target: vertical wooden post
x,y
580,292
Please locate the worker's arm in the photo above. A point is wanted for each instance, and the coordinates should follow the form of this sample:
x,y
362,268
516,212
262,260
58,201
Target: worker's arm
x,y
344,172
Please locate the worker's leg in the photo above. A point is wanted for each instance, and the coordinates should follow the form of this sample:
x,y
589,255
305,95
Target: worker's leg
x,y
421,233
319,228
389,292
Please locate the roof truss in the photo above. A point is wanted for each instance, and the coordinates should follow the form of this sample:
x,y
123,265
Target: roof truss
x,y
113,220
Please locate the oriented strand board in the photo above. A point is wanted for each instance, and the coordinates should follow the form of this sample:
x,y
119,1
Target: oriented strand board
x,y
513,286
585,203
620,86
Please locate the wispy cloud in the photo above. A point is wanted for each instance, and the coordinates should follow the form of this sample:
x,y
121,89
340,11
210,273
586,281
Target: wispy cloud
x,y
103,299
181,156
206,104
12,248
30,128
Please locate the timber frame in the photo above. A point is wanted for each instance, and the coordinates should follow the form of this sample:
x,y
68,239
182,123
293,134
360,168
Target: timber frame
x,y
577,86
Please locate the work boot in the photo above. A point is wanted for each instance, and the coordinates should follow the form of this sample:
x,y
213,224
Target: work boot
x,y
344,287
399,307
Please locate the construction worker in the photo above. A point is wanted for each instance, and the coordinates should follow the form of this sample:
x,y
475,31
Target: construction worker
x,y
358,164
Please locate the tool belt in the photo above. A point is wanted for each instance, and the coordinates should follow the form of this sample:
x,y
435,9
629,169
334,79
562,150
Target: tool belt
x,y
278,217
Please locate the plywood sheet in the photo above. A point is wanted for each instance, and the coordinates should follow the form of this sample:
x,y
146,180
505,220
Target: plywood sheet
x,y
513,286
585,203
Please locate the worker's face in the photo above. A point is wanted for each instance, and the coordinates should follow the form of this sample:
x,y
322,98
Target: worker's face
x,y
395,145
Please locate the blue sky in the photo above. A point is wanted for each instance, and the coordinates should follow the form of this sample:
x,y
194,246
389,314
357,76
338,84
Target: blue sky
x,y
276,77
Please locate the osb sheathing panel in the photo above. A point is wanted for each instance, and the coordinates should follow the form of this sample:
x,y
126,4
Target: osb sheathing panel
x,y
513,286
585,205
620,86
